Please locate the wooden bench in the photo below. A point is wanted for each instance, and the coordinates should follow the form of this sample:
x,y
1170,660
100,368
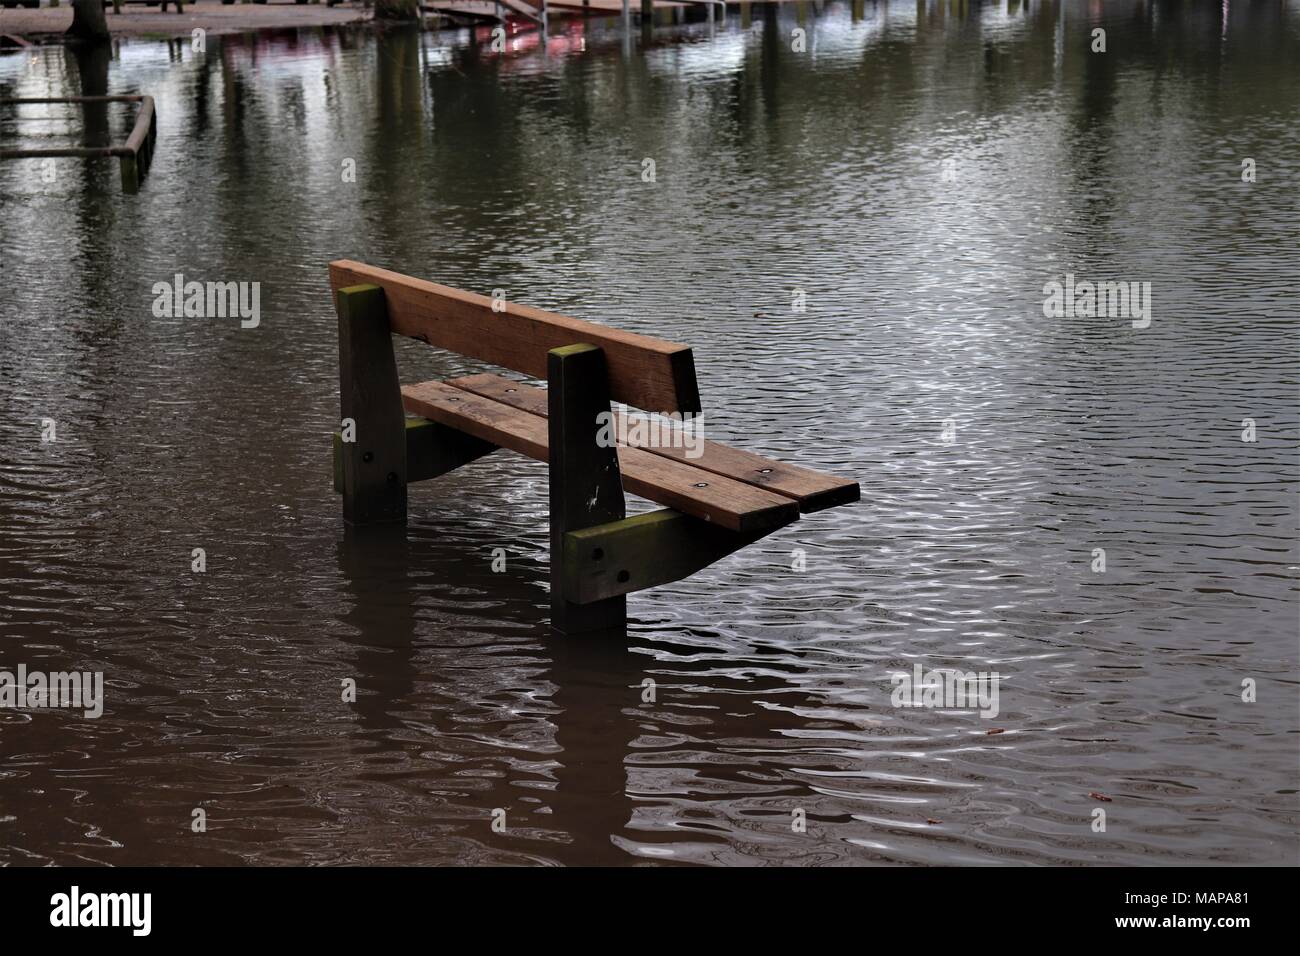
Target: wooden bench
x,y
717,499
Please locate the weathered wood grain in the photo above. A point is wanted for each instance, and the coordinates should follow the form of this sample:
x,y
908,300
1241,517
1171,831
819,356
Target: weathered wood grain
x,y
812,490
644,372
715,498
585,486
374,466
642,552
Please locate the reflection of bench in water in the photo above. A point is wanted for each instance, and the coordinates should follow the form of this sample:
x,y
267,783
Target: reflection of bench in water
x,y
136,153
718,499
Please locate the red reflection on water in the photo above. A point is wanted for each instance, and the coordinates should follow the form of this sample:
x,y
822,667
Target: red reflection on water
x,y
524,36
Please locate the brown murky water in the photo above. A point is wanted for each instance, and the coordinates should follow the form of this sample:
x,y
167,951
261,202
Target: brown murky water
x,y
920,172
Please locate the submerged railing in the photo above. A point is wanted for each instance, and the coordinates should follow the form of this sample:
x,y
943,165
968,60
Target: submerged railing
x,y
136,153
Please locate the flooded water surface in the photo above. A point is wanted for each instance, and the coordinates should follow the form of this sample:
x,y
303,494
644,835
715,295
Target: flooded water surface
x,y
856,233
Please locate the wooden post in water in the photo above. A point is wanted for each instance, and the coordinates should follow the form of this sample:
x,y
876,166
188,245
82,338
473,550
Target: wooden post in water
x,y
130,173
374,465
586,484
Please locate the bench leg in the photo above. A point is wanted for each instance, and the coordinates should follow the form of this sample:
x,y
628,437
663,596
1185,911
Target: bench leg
x,y
374,466
586,485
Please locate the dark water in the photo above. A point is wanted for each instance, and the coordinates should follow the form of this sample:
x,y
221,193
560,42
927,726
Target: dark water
x,y
920,172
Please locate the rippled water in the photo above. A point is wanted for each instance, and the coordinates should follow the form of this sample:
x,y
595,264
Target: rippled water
x,y
919,172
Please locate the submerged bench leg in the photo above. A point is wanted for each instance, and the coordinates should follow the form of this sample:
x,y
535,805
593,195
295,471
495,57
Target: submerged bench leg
x,y
374,466
586,485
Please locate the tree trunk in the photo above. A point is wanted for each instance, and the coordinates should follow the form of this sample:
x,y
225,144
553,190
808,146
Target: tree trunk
x,y
88,21
397,10
92,61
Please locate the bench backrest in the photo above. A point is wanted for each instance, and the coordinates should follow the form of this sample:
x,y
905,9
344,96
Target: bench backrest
x,y
647,373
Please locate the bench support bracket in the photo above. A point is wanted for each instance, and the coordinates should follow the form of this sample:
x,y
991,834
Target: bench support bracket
x,y
586,486
643,551
432,450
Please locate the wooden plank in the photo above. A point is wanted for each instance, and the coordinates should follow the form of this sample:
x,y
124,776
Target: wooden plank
x,y
643,372
526,398
731,504
374,466
642,552
811,489
585,486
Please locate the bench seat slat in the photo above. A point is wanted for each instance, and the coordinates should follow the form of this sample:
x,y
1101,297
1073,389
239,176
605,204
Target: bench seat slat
x,y
730,504
811,489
